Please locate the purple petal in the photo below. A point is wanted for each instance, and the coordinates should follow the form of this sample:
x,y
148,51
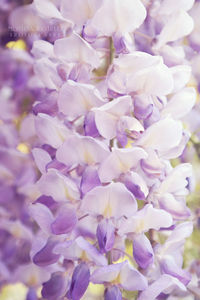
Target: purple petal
x,y
142,251
90,125
45,256
107,273
159,286
47,201
54,288
31,295
122,44
176,208
152,166
169,266
113,293
42,158
143,107
91,251
132,279
65,221
89,180
136,185
80,282
42,215
105,235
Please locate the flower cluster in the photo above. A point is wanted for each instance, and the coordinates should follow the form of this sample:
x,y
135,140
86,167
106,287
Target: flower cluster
x,y
112,89
17,169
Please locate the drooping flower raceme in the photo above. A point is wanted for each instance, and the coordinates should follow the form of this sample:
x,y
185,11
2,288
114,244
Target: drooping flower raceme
x,y
111,91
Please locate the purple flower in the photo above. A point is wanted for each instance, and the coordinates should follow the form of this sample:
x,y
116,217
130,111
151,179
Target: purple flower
x,y
93,113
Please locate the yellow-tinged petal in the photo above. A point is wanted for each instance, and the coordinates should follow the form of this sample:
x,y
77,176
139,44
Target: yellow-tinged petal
x,y
117,280
108,211
16,45
39,290
16,291
96,289
23,148
129,144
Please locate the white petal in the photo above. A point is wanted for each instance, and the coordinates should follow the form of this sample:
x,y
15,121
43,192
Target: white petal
x,y
119,16
42,158
181,103
168,7
106,201
181,75
77,50
75,99
162,135
50,130
82,150
42,48
179,25
120,161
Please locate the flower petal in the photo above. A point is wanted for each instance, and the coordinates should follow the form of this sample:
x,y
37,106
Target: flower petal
x,y
89,180
42,158
43,216
58,186
119,16
54,287
120,161
146,218
91,252
45,256
169,266
81,150
106,201
77,50
76,99
159,286
181,75
50,130
179,25
142,251
113,292
107,115
105,235
162,135
80,282
181,103
65,220
131,279
140,72
106,274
